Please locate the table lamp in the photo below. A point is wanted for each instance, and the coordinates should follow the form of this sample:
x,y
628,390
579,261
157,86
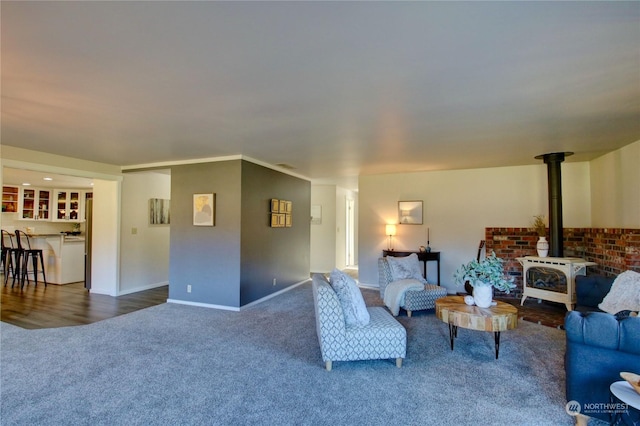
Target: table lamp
x,y
390,230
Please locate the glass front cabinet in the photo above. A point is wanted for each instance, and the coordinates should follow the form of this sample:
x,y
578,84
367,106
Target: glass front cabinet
x,y
69,205
10,196
35,204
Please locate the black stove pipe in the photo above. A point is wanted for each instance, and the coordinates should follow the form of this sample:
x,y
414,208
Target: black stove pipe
x,y
554,182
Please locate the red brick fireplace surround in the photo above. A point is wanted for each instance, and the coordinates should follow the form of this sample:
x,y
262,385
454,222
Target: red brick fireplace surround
x,y
615,250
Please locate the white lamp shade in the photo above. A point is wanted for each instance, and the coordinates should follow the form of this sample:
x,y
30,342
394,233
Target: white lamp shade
x,y
390,230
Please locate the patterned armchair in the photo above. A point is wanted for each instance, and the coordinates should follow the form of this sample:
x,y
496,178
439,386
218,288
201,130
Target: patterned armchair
x,y
383,338
414,300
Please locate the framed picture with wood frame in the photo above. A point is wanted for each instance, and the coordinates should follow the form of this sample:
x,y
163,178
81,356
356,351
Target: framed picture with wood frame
x,y
275,222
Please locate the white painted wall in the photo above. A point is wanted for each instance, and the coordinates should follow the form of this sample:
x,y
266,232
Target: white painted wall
x,y
144,256
458,206
105,264
323,236
41,161
615,183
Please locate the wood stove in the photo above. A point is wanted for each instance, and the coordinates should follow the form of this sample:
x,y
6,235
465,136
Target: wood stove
x,y
552,278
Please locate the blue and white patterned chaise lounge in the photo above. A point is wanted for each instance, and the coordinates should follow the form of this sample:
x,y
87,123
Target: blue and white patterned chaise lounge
x,y
414,300
383,338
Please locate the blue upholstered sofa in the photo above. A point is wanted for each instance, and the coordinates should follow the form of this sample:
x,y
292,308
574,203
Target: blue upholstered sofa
x,y
599,347
382,338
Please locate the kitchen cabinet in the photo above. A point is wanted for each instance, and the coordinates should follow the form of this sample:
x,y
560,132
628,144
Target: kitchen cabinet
x,y
35,204
10,195
69,205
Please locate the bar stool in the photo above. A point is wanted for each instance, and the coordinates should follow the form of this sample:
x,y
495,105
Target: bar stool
x,y
28,253
10,257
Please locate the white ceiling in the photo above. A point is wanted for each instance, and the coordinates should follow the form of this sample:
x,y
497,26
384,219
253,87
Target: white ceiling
x,y
334,89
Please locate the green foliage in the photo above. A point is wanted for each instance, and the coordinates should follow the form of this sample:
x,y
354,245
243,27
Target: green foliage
x,y
489,271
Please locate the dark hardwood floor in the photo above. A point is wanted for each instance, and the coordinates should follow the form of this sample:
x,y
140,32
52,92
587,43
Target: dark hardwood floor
x,y
67,305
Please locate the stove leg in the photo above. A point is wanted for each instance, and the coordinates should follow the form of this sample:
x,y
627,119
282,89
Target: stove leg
x,y
523,299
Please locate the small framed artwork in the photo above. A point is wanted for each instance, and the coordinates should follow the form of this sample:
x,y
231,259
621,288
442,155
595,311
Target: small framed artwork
x,y
159,211
278,220
274,220
316,215
281,211
204,209
410,212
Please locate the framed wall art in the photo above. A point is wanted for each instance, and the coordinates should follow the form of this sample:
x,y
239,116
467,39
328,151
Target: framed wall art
x,y
281,212
410,212
159,211
204,209
316,214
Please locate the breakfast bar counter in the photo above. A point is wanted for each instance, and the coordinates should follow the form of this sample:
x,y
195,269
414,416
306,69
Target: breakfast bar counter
x,y
63,256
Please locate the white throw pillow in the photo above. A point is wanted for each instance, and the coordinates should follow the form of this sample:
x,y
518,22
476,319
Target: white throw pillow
x,y
405,268
355,310
624,294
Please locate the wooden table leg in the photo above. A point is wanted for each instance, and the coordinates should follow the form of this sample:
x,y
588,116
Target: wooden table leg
x,y
497,339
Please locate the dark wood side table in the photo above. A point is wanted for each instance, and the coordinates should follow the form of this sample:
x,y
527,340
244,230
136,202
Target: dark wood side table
x,y
423,256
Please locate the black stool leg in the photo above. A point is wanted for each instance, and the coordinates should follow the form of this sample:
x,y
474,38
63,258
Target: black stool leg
x,y
9,266
34,264
44,278
17,269
25,267
5,261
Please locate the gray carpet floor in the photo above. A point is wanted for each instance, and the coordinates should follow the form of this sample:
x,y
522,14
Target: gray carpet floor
x,y
182,365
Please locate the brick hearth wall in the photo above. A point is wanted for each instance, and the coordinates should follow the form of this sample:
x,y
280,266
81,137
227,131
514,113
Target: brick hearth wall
x,y
614,250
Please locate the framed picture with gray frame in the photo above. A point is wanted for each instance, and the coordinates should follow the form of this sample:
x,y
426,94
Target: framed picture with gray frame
x,y
410,212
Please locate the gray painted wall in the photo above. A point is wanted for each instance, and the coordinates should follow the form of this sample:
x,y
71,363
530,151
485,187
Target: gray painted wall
x,y
207,258
234,262
268,253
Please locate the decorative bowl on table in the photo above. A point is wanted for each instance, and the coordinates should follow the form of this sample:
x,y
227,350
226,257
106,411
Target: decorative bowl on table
x,y
633,379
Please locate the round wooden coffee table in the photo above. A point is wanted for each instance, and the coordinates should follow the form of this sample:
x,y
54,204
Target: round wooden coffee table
x,y
453,311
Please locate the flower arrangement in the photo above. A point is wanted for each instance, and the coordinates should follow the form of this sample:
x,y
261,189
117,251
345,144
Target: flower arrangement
x,y
538,226
488,272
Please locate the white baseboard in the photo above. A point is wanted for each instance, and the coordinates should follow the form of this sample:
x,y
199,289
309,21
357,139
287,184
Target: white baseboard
x,y
255,302
233,308
204,305
368,286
